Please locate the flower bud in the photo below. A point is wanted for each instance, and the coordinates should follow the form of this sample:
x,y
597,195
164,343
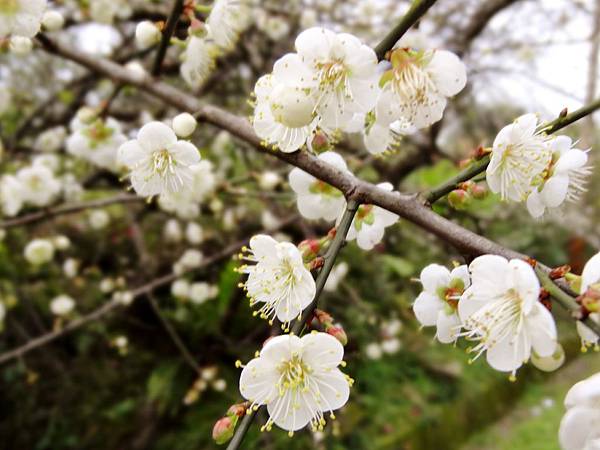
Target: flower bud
x,y
459,199
269,180
146,34
309,248
53,21
337,331
477,191
320,143
86,115
20,45
184,125
590,299
197,28
223,430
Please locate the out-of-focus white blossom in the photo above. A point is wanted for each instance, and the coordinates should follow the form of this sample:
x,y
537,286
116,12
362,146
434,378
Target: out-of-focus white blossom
x,y
184,125
39,185
71,267
21,17
99,219
200,292
53,21
194,233
39,251
61,242
147,34
20,45
105,11
227,19
62,305
172,231
180,288
198,61
51,140
97,141
268,180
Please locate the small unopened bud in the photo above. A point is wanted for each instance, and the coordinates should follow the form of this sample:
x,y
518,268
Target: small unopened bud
x,y
459,199
323,317
309,248
574,281
338,332
239,409
184,125
477,191
559,272
320,142
223,430
53,21
590,299
147,34
563,113
465,162
549,363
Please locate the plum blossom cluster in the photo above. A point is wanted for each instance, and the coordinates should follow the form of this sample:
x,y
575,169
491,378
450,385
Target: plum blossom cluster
x,y
528,165
495,304
334,83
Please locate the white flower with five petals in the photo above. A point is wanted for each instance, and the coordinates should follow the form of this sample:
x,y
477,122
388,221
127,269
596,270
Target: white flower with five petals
x,y
590,279
437,305
298,379
343,71
369,223
317,199
519,156
501,311
277,278
158,161
563,180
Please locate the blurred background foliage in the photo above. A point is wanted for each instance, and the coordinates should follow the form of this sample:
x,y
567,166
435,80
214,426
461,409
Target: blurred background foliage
x,y
84,391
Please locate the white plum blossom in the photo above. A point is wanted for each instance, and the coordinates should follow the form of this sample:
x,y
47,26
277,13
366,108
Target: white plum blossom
x,y
438,304
11,195
105,11
519,156
269,180
227,19
39,251
315,198
563,180
180,288
277,278
380,137
53,21
147,34
158,161
284,114
198,61
39,185
184,124
97,141
298,379
51,140
21,17
590,280
201,291
194,233
369,223
99,219
580,426
343,74
416,88
172,231
62,305
502,313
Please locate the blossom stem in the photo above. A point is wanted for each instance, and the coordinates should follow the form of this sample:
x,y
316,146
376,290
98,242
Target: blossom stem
x,y
330,257
565,300
480,165
166,36
416,11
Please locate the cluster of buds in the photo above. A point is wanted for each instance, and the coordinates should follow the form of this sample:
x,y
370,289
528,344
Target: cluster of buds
x,y
225,427
311,249
462,197
336,330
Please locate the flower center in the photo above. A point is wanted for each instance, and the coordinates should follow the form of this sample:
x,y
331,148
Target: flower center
x,y
364,215
332,74
293,374
162,162
98,132
9,7
327,190
291,107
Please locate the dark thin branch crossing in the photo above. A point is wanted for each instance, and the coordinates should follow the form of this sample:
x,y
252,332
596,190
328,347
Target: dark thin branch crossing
x,y
166,36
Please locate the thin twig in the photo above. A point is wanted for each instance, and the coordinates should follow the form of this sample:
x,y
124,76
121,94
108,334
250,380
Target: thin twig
x,y
45,214
416,11
330,257
166,36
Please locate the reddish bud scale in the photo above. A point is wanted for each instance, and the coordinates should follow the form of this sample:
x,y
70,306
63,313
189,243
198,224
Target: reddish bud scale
x,y
481,151
239,409
322,317
559,272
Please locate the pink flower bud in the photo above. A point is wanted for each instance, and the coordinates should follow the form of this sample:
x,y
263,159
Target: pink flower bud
x,y
320,142
223,430
338,332
459,199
